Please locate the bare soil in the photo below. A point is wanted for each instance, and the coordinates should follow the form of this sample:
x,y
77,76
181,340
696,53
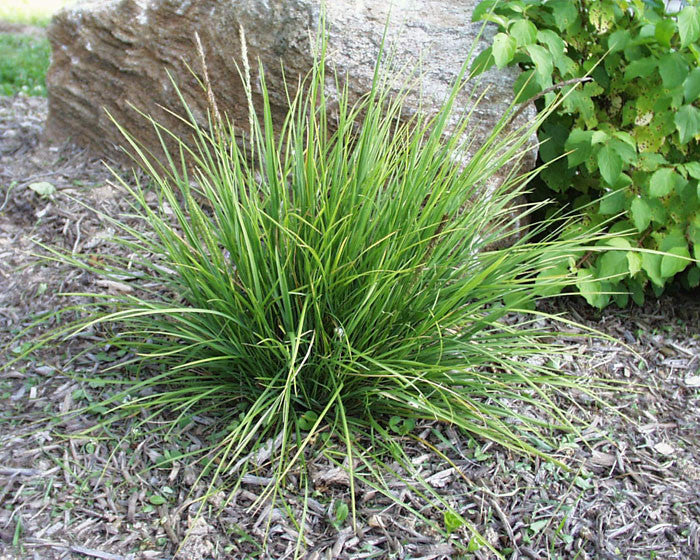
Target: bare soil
x,y
632,491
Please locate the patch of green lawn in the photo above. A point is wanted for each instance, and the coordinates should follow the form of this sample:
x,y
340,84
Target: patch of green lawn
x,y
23,64
31,12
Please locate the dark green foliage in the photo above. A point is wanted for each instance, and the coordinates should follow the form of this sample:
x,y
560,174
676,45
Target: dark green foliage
x,y
623,146
23,64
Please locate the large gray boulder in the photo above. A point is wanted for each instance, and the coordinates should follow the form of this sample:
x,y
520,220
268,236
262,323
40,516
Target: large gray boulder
x,y
111,54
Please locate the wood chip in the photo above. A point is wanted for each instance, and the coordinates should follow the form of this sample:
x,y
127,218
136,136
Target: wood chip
x,y
693,381
95,553
114,287
600,459
11,471
664,448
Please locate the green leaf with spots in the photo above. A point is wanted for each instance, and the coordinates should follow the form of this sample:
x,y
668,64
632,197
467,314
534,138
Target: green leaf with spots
x,y
677,259
524,32
482,62
647,140
664,30
601,16
691,86
641,214
564,12
553,41
526,86
650,162
580,145
549,280
483,8
552,140
659,214
610,164
693,169
634,262
695,229
599,137
662,182
640,68
689,25
651,264
543,61
613,264
673,69
590,288
503,49
613,203
578,101
618,40
627,151
694,277
687,121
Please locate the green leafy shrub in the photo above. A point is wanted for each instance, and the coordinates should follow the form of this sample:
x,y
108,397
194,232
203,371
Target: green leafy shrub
x,y
630,134
23,65
330,281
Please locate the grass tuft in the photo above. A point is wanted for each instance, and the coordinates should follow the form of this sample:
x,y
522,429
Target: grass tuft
x,y
341,278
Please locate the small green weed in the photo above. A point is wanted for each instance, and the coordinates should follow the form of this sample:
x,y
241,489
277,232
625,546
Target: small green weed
x,y
452,521
23,65
340,514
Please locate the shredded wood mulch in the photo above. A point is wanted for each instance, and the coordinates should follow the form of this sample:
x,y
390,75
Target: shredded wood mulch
x,y
631,490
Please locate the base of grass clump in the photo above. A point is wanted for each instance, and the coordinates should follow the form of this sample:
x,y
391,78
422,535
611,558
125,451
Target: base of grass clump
x,y
333,284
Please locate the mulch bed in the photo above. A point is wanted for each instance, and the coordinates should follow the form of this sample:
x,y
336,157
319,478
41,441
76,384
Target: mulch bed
x,y
632,492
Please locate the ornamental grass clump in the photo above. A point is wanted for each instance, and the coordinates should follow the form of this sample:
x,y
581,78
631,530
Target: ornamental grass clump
x,y
332,274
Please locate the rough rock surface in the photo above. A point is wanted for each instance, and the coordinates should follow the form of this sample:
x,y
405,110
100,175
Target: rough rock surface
x,y
111,54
